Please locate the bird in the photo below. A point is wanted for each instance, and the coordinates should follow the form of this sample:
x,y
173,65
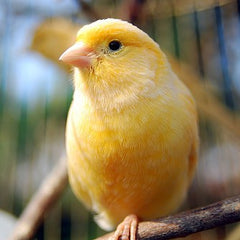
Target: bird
x,y
132,129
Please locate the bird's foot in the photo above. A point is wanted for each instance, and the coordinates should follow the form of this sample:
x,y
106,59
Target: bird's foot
x,y
127,229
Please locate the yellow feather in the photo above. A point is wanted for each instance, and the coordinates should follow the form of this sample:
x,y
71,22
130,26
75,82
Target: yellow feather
x,y
132,136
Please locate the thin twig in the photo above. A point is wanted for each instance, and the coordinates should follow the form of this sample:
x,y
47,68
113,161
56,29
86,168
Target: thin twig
x,y
89,10
135,10
41,202
132,11
192,221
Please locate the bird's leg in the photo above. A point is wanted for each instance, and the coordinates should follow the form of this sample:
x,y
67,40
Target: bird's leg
x,y
127,229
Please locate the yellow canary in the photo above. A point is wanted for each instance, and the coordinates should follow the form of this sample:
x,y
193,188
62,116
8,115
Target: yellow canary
x,y
132,135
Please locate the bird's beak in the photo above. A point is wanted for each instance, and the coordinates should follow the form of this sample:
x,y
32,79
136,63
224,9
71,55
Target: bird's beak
x,y
78,55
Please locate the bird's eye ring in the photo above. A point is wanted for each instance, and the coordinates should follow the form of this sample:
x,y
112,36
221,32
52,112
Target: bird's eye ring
x,y
114,45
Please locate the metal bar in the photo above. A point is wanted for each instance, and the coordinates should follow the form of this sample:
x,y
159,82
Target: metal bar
x,y
198,40
227,83
175,36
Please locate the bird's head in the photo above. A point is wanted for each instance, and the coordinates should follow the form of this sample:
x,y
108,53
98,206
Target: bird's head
x,y
113,57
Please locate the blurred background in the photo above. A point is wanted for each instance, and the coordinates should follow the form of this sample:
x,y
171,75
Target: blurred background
x,y
202,41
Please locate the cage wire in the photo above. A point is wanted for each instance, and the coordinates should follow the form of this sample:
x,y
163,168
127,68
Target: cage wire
x,y
35,94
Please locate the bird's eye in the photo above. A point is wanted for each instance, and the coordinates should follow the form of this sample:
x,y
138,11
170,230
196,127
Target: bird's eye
x,y
114,45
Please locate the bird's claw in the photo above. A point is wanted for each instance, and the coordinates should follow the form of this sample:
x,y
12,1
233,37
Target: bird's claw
x,y
126,230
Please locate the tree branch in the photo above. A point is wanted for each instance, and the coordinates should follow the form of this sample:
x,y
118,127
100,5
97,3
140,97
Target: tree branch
x,y
41,202
192,221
